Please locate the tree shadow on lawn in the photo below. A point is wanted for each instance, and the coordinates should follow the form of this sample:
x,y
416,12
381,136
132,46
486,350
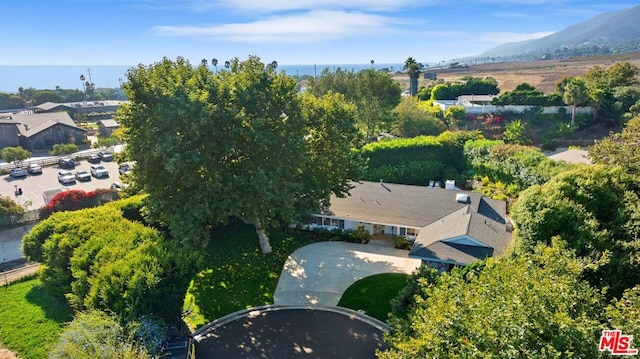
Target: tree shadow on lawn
x,y
54,307
239,275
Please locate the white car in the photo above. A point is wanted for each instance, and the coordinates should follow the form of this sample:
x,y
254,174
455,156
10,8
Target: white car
x,y
66,177
98,171
34,168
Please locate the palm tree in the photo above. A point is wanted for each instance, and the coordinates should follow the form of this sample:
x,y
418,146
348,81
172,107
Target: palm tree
x,y
214,62
575,93
227,64
204,62
372,62
84,89
413,70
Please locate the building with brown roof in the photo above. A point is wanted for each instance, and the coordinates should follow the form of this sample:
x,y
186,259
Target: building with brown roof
x,y
38,131
447,226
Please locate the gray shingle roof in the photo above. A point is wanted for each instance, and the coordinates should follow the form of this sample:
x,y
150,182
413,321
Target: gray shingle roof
x,y
388,203
32,123
450,231
109,123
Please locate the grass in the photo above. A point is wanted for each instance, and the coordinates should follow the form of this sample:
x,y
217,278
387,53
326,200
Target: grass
x,y
374,294
240,275
32,319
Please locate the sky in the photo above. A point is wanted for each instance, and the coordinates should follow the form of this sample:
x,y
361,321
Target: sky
x,y
291,32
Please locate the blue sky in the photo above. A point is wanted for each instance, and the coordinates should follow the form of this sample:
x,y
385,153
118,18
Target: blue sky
x,y
129,32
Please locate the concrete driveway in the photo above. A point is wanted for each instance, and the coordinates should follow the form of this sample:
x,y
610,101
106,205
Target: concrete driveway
x,y
319,273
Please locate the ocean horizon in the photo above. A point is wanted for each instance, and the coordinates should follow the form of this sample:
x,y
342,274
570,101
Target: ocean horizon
x,y
68,77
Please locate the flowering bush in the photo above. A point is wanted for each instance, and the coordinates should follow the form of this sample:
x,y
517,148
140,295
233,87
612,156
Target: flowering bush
x,y
77,199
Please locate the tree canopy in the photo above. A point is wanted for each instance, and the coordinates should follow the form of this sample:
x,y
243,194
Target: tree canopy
x,y
594,209
374,94
241,142
14,154
533,305
620,149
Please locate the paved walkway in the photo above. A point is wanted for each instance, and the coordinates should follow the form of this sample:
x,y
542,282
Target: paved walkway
x,y
319,273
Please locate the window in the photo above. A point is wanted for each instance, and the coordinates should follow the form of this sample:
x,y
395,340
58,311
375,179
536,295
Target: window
x,y
335,222
327,221
341,223
412,232
319,221
403,231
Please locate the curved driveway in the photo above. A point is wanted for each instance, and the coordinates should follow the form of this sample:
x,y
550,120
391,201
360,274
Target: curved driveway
x,y
319,273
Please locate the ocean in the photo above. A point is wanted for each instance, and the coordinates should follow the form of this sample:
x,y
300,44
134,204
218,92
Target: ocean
x,y
68,77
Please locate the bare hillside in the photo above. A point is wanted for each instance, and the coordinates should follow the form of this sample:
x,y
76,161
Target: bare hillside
x,y
543,75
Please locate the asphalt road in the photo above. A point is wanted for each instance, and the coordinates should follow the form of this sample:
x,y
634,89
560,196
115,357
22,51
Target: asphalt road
x,y
291,333
33,187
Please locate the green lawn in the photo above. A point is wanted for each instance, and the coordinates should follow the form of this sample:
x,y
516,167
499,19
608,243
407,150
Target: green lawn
x,y
240,275
373,294
31,319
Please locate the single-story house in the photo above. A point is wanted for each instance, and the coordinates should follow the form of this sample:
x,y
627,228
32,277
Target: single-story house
x,y
106,127
448,226
37,131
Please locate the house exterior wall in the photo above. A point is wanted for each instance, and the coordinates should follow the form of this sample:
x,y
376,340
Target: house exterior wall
x,y
105,131
8,135
330,222
53,135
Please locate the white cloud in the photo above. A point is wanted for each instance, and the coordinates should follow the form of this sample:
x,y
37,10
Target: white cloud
x,y
271,6
308,27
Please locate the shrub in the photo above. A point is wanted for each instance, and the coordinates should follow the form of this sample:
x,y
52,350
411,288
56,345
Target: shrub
x,y
73,200
359,235
401,243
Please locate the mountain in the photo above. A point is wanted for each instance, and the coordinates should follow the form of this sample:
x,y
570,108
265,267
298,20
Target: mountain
x,y
614,32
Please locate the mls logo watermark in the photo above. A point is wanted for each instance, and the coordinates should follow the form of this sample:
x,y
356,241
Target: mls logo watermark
x,y
617,343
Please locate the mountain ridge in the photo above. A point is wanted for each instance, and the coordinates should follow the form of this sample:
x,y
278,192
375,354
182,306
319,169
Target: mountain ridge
x,y
606,33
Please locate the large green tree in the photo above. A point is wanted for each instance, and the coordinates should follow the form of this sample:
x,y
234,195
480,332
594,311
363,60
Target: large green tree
x,y
14,154
595,210
621,148
530,306
411,119
374,94
241,143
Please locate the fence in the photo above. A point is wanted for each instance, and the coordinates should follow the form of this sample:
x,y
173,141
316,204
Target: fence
x,y
44,161
480,109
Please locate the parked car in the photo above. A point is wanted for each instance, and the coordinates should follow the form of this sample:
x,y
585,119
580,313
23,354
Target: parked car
x,y
83,176
34,168
117,186
66,163
98,171
105,156
124,168
66,177
94,158
17,172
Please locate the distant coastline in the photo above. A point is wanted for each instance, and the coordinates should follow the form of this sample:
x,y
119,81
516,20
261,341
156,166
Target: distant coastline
x,y
68,77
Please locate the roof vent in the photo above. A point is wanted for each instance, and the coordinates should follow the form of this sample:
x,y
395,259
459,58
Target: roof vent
x,y
463,198
450,184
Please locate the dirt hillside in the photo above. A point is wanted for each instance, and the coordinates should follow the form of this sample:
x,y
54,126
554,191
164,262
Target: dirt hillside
x,y
543,75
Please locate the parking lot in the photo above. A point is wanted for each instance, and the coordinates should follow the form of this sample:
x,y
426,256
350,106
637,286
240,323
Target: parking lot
x,y
34,186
